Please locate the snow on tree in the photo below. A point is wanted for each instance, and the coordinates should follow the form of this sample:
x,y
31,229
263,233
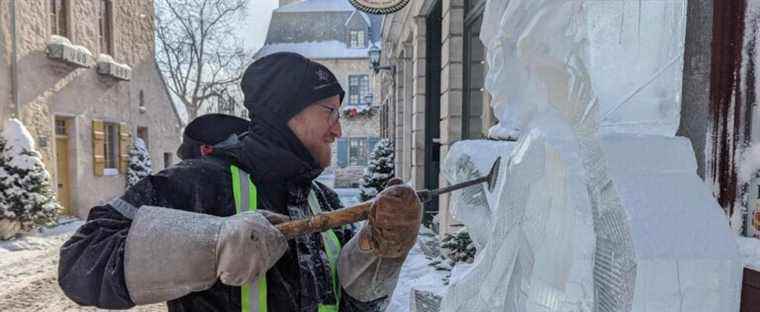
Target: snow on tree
x,y
26,196
140,165
379,171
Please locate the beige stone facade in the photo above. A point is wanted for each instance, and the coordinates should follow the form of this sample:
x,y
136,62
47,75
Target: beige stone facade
x,y
407,121
59,102
356,127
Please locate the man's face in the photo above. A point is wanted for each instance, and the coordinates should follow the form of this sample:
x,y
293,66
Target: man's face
x,y
317,126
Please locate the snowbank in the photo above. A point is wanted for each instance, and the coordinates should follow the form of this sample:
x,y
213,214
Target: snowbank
x,y
749,248
40,239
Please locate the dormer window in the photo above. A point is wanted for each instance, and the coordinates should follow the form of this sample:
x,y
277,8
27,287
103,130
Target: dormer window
x,y
356,39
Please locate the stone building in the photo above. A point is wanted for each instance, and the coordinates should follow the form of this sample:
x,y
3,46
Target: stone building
x,y
335,34
81,75
434,93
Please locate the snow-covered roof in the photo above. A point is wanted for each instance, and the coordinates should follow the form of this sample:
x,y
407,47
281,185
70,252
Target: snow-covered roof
x,y
362,14
317,6
316,50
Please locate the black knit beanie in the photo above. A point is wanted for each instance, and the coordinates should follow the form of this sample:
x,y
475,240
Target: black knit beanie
x,y
208,130
279,86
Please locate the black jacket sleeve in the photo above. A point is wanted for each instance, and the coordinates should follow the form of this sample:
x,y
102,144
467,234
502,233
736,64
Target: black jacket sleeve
x,y
91,267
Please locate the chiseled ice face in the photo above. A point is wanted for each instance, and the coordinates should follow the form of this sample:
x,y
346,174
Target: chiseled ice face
x,y
618,62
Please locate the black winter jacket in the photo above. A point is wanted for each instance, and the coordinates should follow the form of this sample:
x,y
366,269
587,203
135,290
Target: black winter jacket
x,y
91,269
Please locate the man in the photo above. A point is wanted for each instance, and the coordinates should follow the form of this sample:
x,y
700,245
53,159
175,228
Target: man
x,y
205,131
184,235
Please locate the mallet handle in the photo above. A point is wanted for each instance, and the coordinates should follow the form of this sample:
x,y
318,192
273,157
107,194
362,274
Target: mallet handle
x,y
325,221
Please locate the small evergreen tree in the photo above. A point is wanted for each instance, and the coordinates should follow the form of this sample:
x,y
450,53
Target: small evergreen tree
x,y
24,182
379,171
140,165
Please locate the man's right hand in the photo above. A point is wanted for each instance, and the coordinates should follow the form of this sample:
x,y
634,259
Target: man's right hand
x,y
249,245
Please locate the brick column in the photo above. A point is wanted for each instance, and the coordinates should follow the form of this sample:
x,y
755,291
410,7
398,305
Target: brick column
x,y
419,66
451,90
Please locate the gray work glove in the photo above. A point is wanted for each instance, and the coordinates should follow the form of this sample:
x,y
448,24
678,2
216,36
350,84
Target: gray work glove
x,y
171,253
370,262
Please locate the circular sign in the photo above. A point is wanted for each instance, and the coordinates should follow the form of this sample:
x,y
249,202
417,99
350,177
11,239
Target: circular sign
x,y
379,6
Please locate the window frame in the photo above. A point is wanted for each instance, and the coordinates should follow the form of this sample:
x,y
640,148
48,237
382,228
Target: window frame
x,y
474,10
361,155
112,148
105,27
357,39
58,17
358,85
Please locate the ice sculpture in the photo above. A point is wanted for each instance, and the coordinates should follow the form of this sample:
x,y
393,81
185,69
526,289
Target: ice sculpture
x,y
598,206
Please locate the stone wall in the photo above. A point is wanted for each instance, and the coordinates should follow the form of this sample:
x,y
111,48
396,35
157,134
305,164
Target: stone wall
x,y
49,88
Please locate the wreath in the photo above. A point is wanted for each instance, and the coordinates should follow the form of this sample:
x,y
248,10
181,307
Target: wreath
x,y
351,112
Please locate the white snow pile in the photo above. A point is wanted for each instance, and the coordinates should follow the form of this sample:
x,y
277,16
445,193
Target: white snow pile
x,y
749,248
42,238
416,273
749,165
26,196
55,39
331,49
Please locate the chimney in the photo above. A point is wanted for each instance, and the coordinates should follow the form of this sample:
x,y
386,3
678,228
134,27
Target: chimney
x,y
286,2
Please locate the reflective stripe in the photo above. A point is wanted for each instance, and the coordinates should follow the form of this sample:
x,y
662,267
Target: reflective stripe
x,y
332,248
253,296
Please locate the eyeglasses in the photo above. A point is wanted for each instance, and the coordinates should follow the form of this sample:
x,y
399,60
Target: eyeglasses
x,y
334,115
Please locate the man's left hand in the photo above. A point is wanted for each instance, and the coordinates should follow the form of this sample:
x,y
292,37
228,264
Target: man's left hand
x,y
394,220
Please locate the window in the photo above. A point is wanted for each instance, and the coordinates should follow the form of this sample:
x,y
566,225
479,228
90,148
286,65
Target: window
x,y
356,39
358,89
59,18
105,18
358,152
142,133
60,127
141,99
475,102
112,147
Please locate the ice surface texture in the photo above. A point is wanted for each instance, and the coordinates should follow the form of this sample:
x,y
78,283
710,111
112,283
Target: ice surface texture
x,y
598,206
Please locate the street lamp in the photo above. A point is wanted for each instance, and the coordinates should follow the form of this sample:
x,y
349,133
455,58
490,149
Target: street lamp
x,y
374,60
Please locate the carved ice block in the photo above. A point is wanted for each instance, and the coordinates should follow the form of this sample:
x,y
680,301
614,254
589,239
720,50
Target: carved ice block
x,y
687,257
538,255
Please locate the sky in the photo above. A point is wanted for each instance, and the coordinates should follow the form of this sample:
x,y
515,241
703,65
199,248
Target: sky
x,y
254,29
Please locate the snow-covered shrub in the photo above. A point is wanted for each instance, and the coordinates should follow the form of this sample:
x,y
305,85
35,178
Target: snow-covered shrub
x,y
379,170
139,165
25,189
458,246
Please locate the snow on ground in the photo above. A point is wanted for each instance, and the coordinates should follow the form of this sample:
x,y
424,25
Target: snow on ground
x,y
29,270
749,248
417,274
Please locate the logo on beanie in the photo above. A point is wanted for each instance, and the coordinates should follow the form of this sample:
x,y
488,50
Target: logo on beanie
x,y
323,75
379,6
